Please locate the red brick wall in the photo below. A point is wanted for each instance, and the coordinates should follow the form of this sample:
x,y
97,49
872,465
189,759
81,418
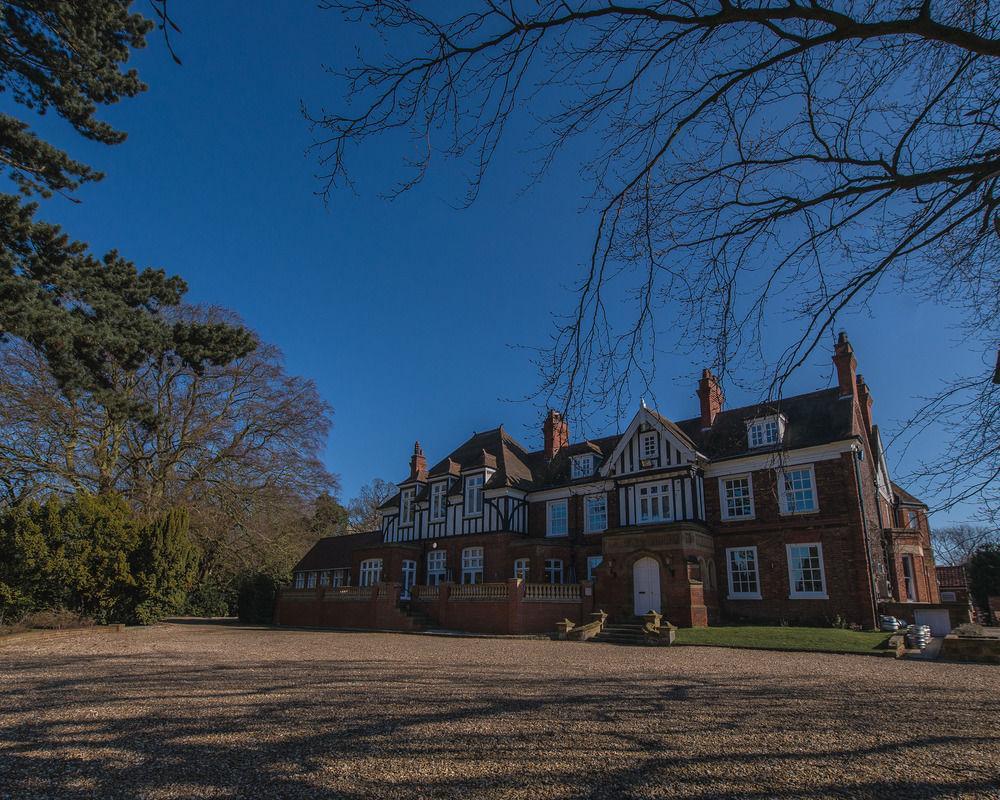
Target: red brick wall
x,y
836,526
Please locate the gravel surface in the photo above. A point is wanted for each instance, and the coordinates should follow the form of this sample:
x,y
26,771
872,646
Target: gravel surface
x,y
207,711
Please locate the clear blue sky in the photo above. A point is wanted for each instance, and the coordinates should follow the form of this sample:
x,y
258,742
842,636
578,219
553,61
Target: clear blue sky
x,y
407,314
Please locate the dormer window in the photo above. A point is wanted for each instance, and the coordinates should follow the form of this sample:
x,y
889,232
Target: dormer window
x,y
582,466
473,495
406,507
765,431
439,501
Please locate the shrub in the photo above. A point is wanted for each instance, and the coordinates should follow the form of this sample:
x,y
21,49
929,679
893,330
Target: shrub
x,y
258,592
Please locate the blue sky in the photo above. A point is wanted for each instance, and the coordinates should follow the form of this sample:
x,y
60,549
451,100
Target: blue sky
x,y
409,313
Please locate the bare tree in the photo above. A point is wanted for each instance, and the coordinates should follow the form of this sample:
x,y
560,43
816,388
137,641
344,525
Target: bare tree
x,y
363,510
955,544
748,160
237,444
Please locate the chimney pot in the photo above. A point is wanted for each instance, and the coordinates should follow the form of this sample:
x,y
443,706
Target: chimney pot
x,y
846,364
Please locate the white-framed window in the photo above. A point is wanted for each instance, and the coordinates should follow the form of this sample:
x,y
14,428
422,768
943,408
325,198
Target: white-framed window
x,y
593,562
764,431
311,580
595,508
300,580
472,565
473,495
806,575
948,597
582,466
798,490
741,567
406,507
654,502
553,570
437,562
371,571
409,577
912,520
649,447
736,497
522,568
339,577
439,501
557,513
909,579
324,578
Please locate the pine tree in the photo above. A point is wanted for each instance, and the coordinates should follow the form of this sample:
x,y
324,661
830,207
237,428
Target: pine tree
x,y
88,316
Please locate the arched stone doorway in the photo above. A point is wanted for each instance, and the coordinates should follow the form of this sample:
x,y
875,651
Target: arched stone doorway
x,y
646,586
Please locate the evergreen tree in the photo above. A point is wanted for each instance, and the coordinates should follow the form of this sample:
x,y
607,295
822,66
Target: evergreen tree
x,y
89,317
984,574
165,567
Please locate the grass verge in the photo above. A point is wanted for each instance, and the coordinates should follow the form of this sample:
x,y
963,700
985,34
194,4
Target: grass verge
x,y
833,640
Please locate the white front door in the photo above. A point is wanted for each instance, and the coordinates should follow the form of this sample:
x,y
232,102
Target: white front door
x,y
646,580
409,578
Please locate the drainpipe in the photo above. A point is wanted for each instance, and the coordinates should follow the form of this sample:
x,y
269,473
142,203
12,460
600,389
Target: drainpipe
x,y
859,455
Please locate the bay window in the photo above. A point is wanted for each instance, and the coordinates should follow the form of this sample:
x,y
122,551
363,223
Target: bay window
x,y
654,502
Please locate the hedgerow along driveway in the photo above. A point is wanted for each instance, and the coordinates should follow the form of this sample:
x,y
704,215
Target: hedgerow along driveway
x,y
226,711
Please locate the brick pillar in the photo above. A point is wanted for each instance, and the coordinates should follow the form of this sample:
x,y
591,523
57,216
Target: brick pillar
x,y
515,593
444,597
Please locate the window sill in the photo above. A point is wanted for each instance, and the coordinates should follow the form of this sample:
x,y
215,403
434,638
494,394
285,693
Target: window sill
x,y
594,533
739,519
798,513
823,596
744,596
556,535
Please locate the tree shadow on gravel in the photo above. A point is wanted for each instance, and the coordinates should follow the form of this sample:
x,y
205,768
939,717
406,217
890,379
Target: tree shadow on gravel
x,y
385,724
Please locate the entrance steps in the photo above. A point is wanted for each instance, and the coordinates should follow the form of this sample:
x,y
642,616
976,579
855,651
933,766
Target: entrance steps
x,y
628,633
421,621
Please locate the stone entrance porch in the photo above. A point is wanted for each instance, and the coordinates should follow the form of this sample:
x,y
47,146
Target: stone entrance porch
x,y
683,553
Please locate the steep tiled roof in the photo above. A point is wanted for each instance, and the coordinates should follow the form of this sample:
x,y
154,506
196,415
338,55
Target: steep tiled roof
x,y
334,552
905,497
557,471
951,576
813,419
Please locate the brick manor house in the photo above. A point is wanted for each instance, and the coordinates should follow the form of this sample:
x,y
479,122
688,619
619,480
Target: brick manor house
x,y
770,512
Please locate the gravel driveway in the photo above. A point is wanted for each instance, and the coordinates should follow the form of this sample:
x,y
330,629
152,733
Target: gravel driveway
x,y
207,711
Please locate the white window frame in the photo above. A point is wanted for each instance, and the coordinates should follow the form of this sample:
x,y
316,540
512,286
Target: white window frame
x,y
406,507
733,594
765,426
582,466
912,519
549,508
724,497
593,562
949,596
337,578
588,526
474,495
439,502
797,595
909,581
300,580
664,491
646,453
324,578
554,568
522,568
783,495
370,572
473,564
311,579
437,567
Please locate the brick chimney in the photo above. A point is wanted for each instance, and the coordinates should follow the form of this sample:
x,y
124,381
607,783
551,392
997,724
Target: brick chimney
x,y
418,464
556,431
866,402
711,397
846,363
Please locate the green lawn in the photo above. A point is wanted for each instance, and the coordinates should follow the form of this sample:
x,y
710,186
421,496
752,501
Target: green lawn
x,y
833,639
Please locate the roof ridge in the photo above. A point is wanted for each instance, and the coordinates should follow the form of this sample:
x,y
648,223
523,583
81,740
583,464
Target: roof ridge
x,y
763,402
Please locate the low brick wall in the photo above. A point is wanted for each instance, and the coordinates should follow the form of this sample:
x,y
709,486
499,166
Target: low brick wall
x,y
511,607
983,651
375,607
958,613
